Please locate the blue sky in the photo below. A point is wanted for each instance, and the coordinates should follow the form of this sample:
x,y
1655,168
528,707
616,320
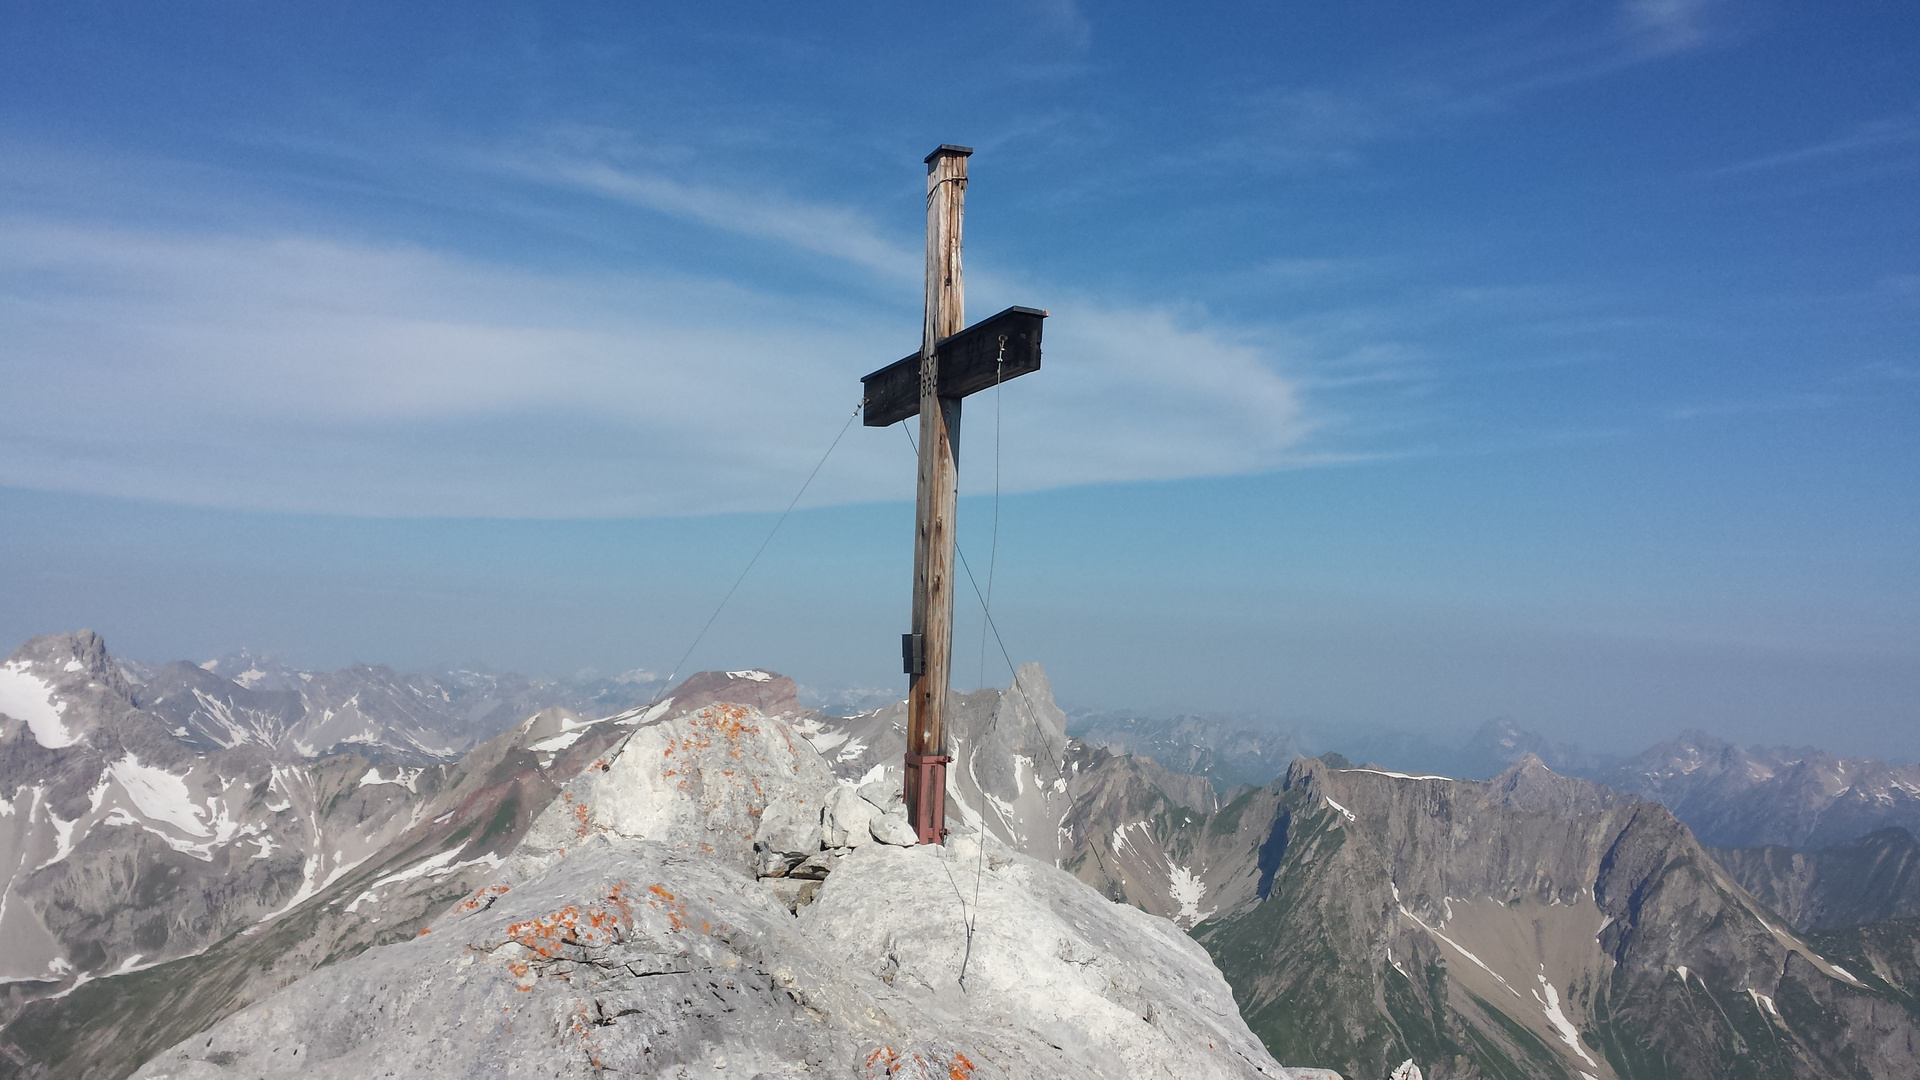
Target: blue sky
x,y
1409,364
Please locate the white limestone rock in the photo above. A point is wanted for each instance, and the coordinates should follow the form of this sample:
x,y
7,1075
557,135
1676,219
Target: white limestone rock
x,y
884,793
1106,988
847,819
705,782
892,829
630,956
790,826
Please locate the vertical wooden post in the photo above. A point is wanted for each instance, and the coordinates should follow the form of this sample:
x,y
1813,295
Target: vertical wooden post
x,y
938,490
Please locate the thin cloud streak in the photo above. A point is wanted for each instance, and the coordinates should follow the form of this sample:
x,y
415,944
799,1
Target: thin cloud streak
x,y
1662,27
1791,403
1316,127
832,231
1869,136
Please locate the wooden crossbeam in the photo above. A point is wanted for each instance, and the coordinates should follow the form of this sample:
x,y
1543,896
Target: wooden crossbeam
x,y
970,361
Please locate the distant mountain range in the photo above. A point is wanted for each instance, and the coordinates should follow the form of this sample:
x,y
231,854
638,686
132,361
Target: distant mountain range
x,y
1745,797
1730,796
1226,753
416,717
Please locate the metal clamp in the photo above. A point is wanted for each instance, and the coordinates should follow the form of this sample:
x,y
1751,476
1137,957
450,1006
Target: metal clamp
x,y
926,792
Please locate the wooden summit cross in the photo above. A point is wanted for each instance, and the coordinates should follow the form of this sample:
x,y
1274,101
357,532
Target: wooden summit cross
x,y
951,364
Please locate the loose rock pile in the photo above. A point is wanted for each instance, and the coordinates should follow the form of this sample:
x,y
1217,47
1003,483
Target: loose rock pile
x,y
792,857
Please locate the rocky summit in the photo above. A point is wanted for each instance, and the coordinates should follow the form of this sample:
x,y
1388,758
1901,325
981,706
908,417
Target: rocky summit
x,y
649,924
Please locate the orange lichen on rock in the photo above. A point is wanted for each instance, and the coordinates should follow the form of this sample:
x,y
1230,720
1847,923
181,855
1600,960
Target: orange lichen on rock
x,y
601,923
676,909
728,721
934,1065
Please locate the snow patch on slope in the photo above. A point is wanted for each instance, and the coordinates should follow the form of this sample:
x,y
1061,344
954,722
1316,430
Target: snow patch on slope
x,y
1187,891
160,795
1568,1033
27,697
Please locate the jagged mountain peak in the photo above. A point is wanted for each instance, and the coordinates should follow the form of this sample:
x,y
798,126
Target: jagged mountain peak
x,y
62,686
1528,784
1532,924
769,692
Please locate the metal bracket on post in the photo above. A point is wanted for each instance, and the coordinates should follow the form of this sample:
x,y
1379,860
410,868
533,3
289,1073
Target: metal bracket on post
x,y
913,653
930,770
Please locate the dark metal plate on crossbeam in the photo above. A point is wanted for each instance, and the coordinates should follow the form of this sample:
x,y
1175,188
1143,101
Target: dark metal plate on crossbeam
x,y
970,361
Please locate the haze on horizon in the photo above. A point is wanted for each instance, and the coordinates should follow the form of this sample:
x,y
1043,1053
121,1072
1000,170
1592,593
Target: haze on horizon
x,y
1408,367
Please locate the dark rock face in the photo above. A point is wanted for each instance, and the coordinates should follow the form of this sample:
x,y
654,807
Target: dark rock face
x,y
1885,954
1868,880
1531,925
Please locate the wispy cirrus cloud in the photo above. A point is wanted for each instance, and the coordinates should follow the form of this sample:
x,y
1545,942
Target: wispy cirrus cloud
x,y
1891,133
1662,27
1304,127
302,373
1781,403
836,232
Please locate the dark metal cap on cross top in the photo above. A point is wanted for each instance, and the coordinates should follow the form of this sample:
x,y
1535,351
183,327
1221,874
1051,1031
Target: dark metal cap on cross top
x,y
953,360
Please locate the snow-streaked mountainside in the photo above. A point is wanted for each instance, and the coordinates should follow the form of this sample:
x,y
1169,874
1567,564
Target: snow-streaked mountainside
x,y
124,844
141,862
1730,796
413,717
1011,767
